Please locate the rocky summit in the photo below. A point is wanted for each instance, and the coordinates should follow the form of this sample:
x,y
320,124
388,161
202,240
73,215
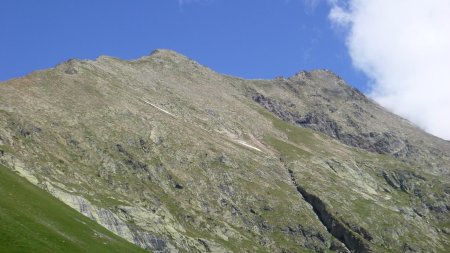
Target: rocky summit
x,y
174,157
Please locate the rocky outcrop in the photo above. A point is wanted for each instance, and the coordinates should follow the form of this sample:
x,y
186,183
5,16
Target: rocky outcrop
x,y
112,221
402,180
383,143
314,120
352,240
314,240
355,238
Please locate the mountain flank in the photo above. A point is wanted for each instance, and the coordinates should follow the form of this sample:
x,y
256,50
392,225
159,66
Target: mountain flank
x,y
174,157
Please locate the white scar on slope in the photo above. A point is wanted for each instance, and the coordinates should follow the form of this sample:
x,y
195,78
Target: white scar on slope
x,y
249,146
159,108
243,143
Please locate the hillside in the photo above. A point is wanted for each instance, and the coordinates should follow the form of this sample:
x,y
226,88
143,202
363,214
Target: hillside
x,y
34,221
175,157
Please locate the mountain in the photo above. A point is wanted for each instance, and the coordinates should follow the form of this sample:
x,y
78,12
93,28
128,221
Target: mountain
x,y
175,157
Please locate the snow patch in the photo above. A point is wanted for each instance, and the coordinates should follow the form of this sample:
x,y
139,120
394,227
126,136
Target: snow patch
x,y
243,143
159,108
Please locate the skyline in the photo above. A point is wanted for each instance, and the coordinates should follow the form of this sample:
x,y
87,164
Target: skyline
x,y
250,39
396,52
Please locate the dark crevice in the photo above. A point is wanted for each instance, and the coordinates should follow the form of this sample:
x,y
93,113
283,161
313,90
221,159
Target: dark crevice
x,y
352,240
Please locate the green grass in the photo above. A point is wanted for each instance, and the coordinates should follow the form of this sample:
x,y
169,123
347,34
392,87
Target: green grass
x,y
294,133
31,220
287,150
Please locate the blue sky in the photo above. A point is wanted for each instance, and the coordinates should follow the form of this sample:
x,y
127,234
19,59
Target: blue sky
x,y
246,38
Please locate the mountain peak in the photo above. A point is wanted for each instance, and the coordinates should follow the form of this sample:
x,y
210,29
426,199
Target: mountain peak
x,y
165,51
316,73
167,54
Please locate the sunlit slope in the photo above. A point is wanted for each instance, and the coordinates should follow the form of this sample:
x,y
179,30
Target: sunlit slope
x,y
175,157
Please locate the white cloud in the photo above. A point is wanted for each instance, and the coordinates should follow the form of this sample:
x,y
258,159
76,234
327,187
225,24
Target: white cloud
x,y
404,47
311,5
340,16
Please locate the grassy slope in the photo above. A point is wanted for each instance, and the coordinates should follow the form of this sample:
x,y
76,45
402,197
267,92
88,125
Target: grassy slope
x,y
34,221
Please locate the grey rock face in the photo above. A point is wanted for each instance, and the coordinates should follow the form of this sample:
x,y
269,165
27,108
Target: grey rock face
x,y
353,237
402,180
112,221
383,143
